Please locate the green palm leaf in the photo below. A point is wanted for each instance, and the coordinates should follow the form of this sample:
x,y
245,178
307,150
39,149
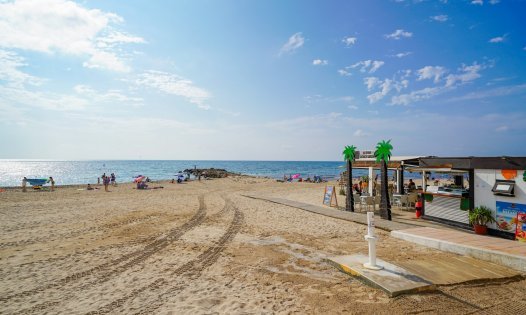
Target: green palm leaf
x,y
383,151
349,153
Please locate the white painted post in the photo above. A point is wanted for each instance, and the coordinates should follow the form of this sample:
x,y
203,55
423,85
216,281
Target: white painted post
x,y
371,238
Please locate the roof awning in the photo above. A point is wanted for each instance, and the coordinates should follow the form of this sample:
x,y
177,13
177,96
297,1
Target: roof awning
x,y
434,169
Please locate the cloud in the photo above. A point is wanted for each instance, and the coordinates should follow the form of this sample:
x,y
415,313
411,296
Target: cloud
x,y
502,128
344,72
477,2
354,107
9,72
402,54
431,72
176,85
371,82
360,133
349,41
384,86
406,99
467,74
440,18
367,65
44,100
496,92
60,26
319,62
498,39
110,96
294,43
398,34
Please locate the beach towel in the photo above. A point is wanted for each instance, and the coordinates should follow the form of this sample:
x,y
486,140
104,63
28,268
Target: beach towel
x,y
37,181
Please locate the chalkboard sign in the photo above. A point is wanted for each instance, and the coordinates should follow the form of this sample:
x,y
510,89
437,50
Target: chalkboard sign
x,y
329,195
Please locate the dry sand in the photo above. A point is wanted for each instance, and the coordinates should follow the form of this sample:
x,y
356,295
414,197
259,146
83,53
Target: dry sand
x,y
201,248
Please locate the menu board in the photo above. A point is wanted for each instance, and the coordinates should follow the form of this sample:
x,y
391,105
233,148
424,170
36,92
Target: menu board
x,y
507,215
329,196
520,232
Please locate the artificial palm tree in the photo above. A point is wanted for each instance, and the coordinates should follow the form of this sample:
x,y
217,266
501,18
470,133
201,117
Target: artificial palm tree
x,y
383,154
348,156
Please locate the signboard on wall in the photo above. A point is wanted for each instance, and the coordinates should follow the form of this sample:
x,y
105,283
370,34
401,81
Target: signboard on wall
x,y
520,232
507,215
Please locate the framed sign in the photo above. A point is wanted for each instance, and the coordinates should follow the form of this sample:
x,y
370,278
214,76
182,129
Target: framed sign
x,y
329,196
507,215
520,231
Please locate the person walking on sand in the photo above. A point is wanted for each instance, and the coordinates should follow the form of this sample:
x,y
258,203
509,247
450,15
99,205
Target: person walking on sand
x,y
52,181
113,183
24,184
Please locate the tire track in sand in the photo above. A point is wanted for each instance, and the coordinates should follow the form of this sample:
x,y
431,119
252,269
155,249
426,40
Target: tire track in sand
x,y
191,269
133,257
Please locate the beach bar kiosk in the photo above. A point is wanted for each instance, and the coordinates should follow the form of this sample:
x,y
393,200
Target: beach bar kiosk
x,y
498,183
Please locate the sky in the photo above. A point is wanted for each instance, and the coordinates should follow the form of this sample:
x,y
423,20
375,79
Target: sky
x,y
261,80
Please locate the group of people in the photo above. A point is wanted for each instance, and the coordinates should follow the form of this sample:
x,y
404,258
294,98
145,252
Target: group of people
x,y
25,181
107,180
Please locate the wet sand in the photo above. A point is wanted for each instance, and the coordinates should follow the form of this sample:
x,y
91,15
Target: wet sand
x,y
201,248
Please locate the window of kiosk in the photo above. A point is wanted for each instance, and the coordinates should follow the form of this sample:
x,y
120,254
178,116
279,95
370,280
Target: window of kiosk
x,y
502,187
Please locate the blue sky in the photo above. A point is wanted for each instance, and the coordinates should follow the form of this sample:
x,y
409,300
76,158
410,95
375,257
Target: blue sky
x,y
261,80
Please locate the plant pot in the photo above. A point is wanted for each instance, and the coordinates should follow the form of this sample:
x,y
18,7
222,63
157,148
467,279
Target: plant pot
x,y
480,229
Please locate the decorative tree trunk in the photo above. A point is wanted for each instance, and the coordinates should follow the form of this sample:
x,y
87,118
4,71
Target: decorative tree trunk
x,y
385,204
349,200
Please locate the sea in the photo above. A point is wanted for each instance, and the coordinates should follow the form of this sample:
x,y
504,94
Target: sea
x,y
84,172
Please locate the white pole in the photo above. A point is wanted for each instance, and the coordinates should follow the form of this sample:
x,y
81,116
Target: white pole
x,y
371,238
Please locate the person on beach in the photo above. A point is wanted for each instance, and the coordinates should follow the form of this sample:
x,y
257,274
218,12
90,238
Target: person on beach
x,y
106,182
113,182
52,181
98,180
89,187
24,184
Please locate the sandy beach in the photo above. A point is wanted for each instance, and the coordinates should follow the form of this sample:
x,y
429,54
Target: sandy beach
x,y
199,247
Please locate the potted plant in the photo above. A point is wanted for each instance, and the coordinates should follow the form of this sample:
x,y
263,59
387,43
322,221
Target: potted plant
x,y
479,218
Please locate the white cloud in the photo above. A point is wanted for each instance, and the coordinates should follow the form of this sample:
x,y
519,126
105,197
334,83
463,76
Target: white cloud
x,y
9,72
498,39
344,73
494,1
294,42
367,65
403,54
406,99
176,85
440,18
354,107
468,73
431,72
50,26
385,87
319,62
502,128
398,34
478,2
44,100
349,41
495,92
360,133
110,96
371,82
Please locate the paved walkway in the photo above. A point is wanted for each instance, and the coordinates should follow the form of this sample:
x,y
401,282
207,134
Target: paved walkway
x,y
497,250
